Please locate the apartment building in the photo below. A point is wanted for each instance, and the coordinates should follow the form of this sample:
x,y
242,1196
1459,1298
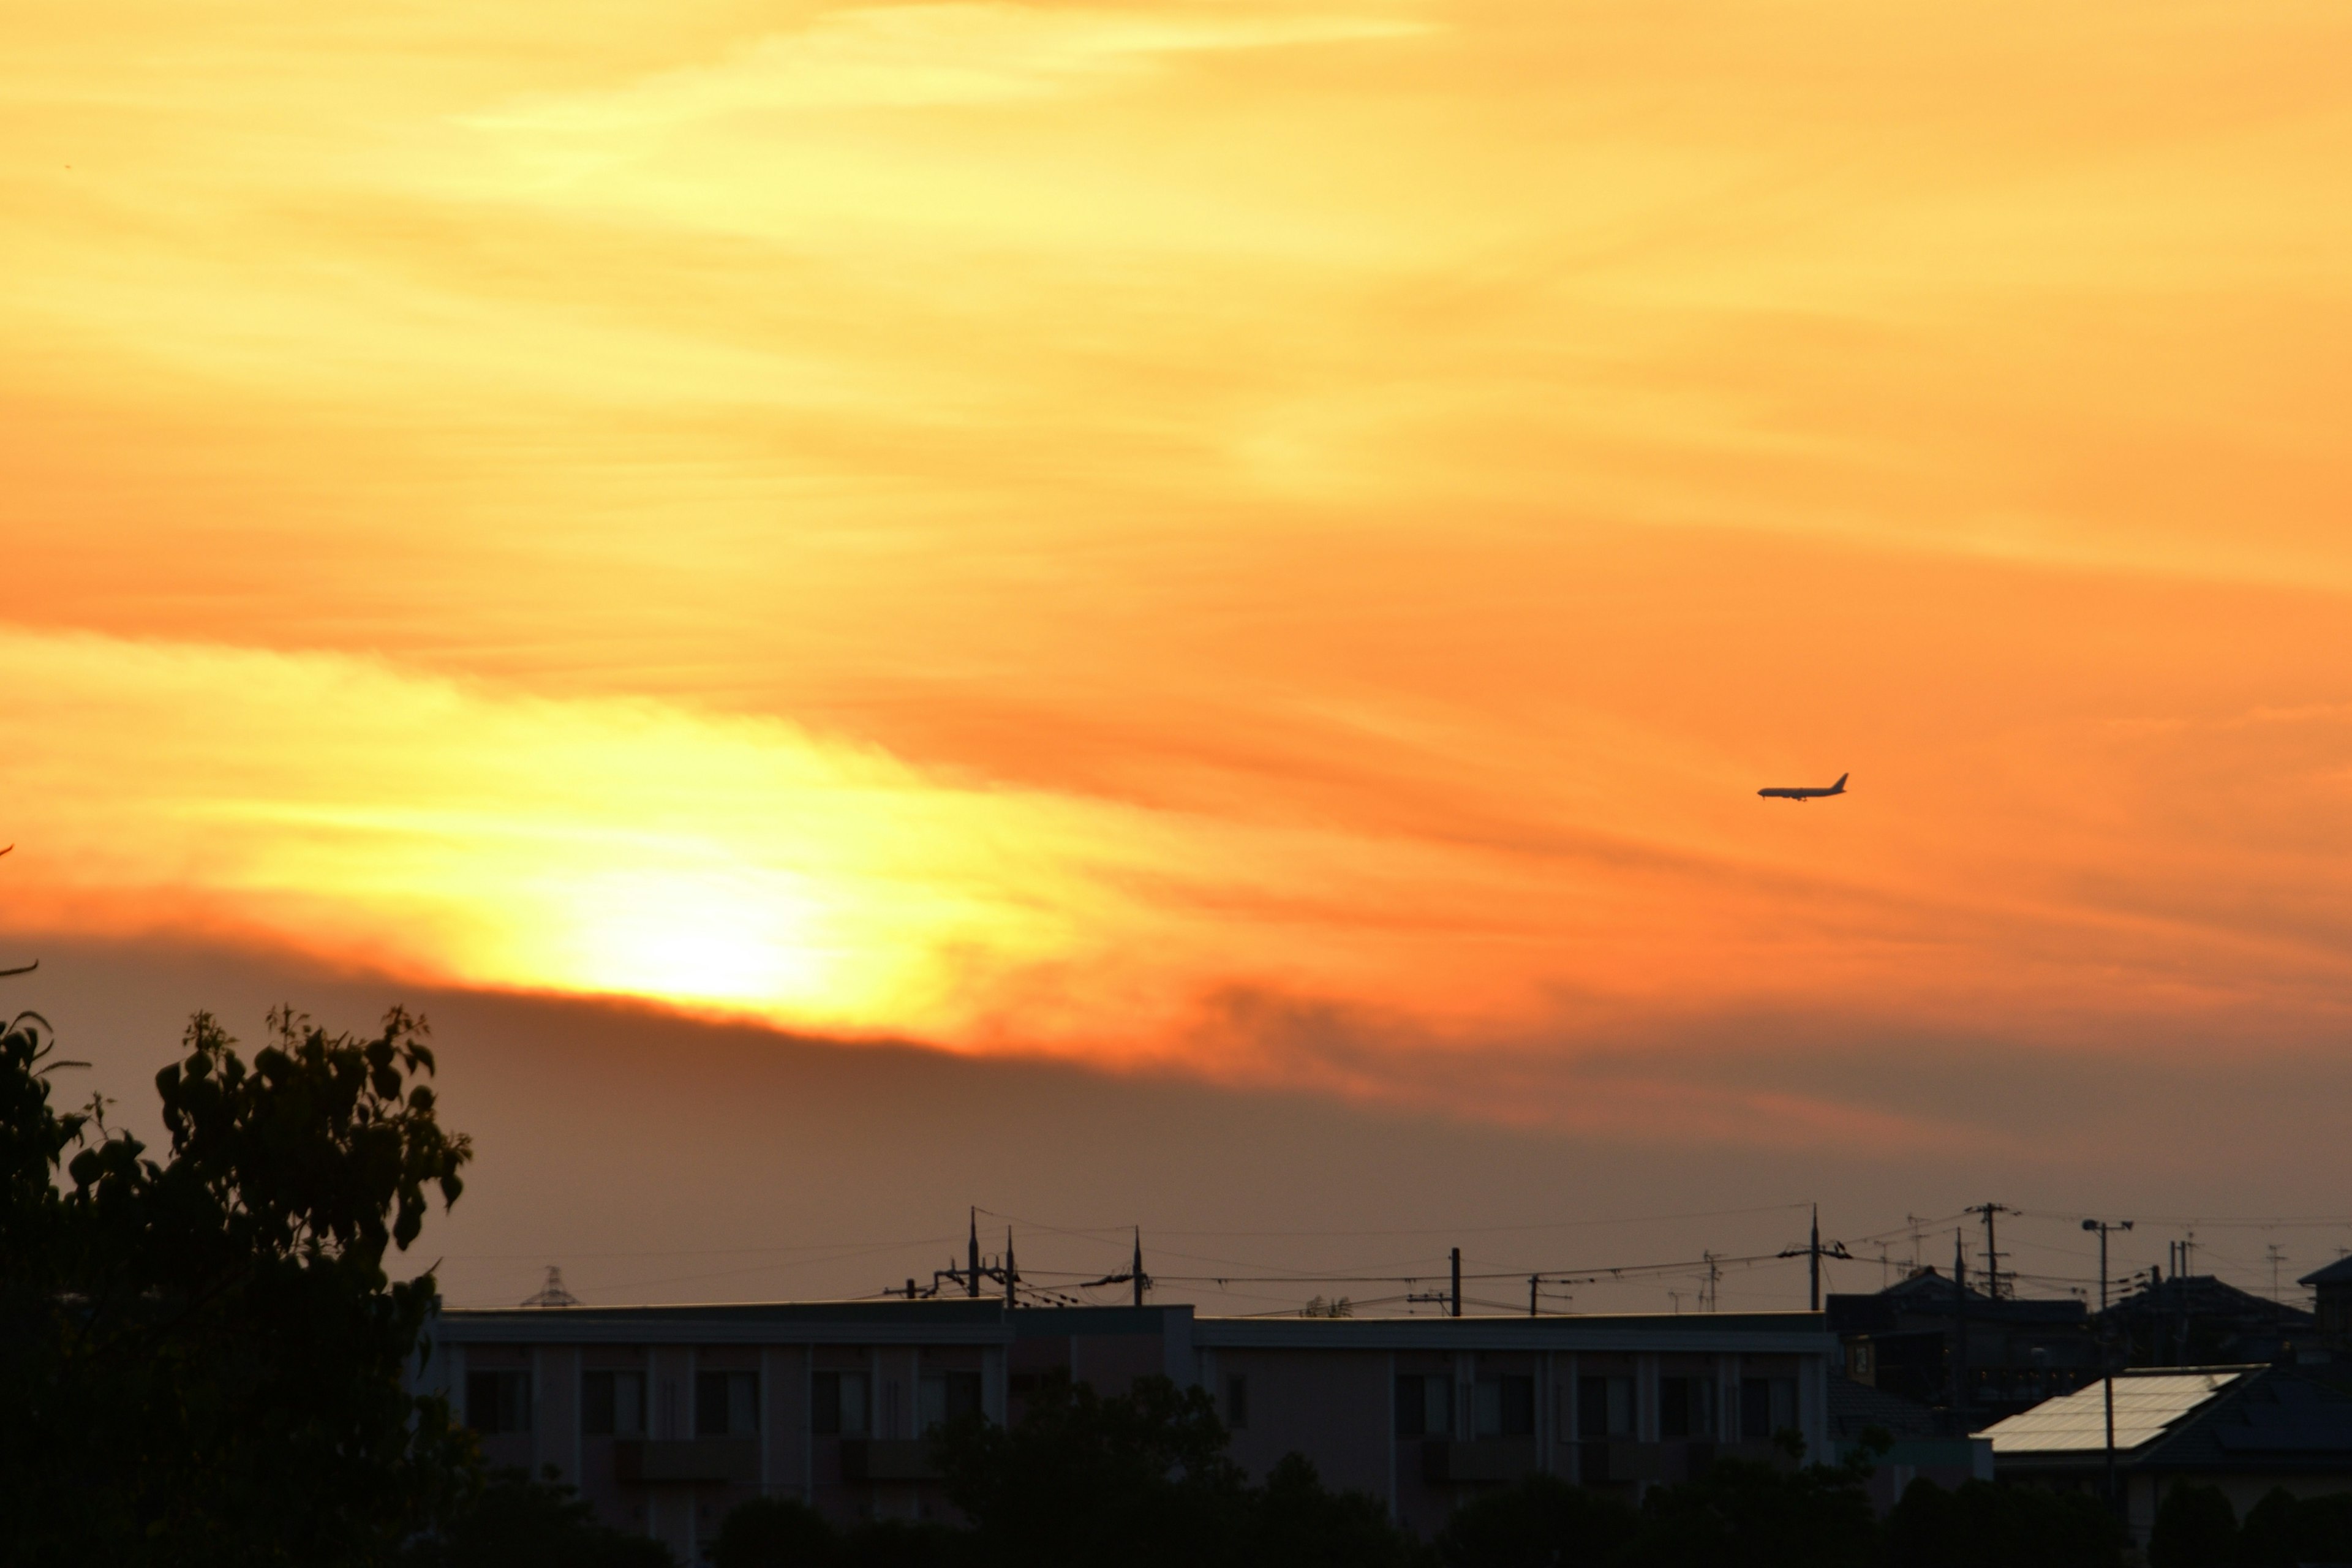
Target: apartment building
x,y
665,1417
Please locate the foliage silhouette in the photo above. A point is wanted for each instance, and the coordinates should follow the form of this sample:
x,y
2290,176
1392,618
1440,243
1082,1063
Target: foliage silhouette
x,y
203,1355
515,1521
1141,1478
775,1533
1136,1478
1295,1521
2195,1528
1761,1515
2283,1530
1980,1525
1542,1522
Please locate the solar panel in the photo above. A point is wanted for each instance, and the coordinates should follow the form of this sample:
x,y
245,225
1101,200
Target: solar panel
x,y
2145,1407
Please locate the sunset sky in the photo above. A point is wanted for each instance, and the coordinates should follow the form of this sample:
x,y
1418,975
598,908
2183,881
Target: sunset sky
x,y
1258,543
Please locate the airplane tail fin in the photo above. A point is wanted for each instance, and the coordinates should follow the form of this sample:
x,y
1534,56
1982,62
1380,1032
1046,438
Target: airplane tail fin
x,y
1839,787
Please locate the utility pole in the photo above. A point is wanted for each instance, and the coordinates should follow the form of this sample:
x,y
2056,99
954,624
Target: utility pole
x,y
1140,1279
1992,1256
2106,1345
1012,1274
1814,1251
2276,1257
1960,1332
1455,1307
971,1257
1532,1280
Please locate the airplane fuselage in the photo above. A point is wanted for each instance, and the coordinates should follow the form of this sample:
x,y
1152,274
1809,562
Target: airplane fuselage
x,y
1801,793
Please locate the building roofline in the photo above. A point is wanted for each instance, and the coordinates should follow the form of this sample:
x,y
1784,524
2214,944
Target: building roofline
x,y
1763,1333
984,1321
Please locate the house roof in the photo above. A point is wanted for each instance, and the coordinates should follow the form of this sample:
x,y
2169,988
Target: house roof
x,y
1930,1287
1931,1296
2148,1405
2201,1296
2263,1418
2336,1273
2284,1420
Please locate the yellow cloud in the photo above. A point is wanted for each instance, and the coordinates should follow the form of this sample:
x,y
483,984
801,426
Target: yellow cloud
x,y
908,57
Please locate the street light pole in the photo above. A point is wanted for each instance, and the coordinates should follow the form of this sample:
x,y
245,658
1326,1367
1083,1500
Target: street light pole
x,y
2106,1345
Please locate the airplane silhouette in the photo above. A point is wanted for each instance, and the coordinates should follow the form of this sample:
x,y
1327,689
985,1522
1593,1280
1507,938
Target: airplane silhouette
x,y
1837,788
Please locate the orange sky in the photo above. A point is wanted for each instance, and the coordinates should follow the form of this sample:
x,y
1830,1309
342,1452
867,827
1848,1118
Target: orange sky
x,y
1277,539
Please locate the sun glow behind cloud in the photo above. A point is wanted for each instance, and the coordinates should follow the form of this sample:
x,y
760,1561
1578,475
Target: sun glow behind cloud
x,y
1278,537
609,845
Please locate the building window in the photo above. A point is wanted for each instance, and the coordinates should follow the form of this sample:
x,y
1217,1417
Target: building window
x,y
1604,1407
837,1404
1238,1402
726,1403
1767,1405
945,1396
1503,1408
1424,1406
613,1403
1686,1407
498,1402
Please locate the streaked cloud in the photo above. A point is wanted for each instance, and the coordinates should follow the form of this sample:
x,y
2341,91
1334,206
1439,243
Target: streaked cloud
x,y
916,55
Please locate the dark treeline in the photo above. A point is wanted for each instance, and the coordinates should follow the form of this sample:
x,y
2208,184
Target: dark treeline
x,y
203,1360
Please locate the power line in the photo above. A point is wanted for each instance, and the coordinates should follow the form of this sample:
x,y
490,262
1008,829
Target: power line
x,y
1112,1230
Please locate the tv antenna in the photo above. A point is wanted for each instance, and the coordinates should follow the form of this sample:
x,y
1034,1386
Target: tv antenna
x,y
552,1293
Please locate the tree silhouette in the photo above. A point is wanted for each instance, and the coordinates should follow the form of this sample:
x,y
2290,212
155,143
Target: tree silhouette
x,y
201,1355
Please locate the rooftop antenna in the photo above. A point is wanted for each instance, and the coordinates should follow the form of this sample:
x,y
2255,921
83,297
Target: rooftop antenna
x,y
552,1293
